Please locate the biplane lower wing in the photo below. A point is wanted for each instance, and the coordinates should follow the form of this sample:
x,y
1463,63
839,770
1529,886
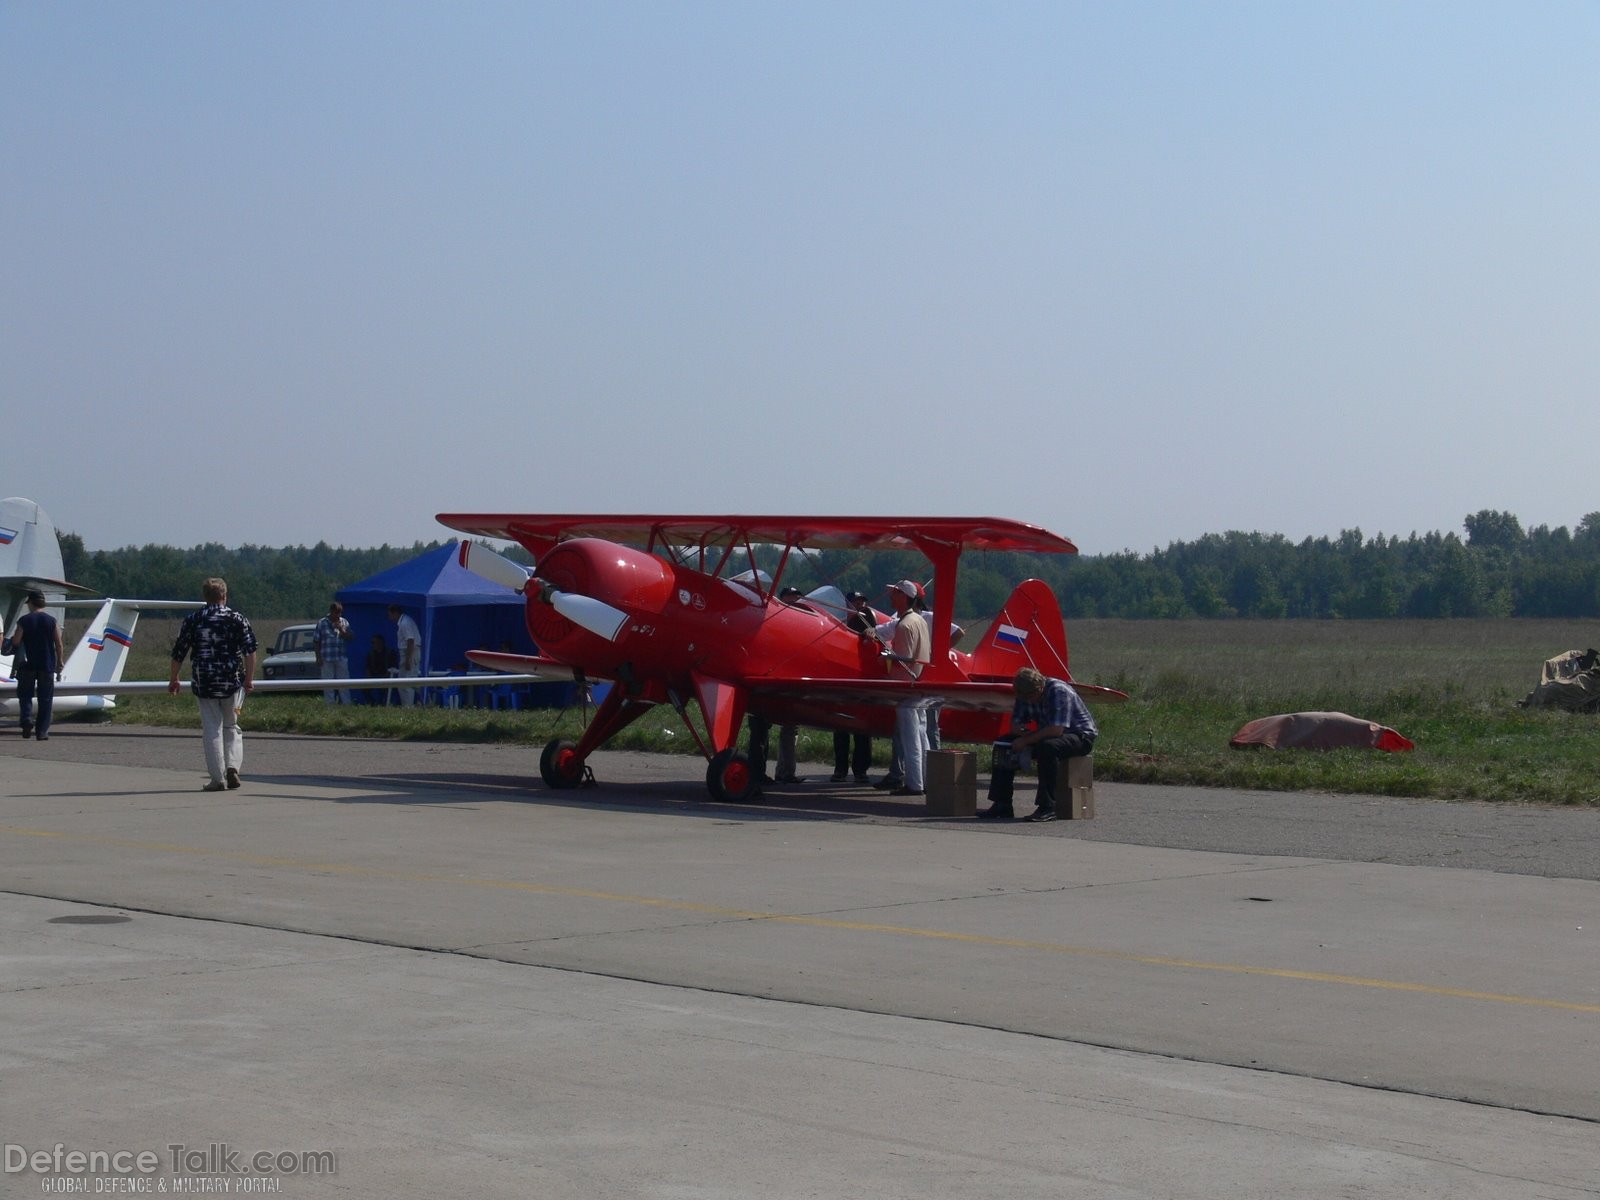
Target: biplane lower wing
x,y
531,666
148,687
957,694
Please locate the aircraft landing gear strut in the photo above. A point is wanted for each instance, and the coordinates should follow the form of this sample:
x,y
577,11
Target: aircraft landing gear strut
x,y
564,764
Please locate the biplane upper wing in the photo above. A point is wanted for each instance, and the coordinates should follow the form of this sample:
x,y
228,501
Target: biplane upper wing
x,y
540,531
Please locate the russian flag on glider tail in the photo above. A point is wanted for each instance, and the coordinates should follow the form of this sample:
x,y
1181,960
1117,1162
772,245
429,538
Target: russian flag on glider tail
x,y
112,635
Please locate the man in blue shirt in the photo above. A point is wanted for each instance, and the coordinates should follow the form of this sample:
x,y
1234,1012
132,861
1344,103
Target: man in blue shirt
x,y
1050,722
333,660
36,643
224,649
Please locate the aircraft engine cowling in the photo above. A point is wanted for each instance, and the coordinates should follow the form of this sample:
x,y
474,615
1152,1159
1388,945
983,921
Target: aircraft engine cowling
x,y
639,584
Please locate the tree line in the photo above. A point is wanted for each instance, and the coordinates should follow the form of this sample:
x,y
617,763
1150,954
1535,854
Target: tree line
x,y
268,582
1495,568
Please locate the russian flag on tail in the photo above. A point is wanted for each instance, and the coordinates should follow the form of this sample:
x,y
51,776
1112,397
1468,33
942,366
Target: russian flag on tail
x,y
1011,638
111,635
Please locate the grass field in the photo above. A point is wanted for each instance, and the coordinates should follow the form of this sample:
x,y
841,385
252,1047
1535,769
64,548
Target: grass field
x,y
1450,686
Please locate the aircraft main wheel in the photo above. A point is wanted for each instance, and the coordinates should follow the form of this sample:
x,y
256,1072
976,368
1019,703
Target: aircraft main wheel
x,y
730,778
560,765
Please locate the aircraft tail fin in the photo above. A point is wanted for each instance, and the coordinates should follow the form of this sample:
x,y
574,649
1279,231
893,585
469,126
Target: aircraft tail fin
x,y
101,654
30,557
1029,632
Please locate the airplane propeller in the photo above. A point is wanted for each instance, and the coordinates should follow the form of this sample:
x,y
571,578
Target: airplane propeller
x,y
493,566
598,617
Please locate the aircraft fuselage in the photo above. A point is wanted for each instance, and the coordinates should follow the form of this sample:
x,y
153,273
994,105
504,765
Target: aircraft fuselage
x,y
683,623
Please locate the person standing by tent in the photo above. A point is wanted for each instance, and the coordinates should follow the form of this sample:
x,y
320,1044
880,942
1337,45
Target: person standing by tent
x,y
224,650
36,644
380,662
333,660
408,651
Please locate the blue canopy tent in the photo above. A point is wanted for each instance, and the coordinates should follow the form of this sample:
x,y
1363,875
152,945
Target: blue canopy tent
x,y
454,609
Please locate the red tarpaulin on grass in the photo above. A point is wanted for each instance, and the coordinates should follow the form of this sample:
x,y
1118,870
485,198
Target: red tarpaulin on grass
x,y
1318,731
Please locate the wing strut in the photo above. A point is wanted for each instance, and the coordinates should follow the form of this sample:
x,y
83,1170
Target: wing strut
x,y
946,559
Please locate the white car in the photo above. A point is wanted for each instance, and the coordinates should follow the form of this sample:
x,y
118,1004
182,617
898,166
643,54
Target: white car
x,y
293,655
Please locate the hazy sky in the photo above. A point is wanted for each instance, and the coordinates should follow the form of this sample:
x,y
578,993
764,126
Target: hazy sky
x,y
286,272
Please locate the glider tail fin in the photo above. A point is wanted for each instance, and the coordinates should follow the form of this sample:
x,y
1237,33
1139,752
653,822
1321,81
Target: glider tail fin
x,y
1029,632
102,652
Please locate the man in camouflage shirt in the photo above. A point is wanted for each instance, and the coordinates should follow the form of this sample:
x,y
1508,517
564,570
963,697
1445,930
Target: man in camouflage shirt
x,y
224,651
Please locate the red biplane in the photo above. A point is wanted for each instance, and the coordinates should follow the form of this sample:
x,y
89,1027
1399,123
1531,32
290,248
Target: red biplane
x,y
675,610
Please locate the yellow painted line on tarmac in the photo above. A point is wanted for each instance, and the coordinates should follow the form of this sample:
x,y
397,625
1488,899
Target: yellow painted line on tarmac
x,y
814,922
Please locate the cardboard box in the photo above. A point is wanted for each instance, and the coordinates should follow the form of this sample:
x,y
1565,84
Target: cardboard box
x,y
1078,803
951,781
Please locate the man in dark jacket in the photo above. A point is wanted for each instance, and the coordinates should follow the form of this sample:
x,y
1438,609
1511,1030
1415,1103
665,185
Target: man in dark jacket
x,y
36,646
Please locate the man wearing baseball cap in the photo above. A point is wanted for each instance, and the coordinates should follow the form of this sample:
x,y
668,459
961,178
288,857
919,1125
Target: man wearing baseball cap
x,y
36,641
909,651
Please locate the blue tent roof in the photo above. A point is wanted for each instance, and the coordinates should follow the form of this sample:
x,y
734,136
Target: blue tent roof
x,y
432,580
454,609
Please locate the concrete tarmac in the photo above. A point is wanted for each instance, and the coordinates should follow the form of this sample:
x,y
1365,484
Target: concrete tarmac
x,y
454,982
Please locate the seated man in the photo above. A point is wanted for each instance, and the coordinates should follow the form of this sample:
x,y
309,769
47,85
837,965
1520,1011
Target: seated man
x,y
1061,728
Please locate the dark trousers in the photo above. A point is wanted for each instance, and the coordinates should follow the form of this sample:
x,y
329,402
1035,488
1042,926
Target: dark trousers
x,y
758,745
1049,754
857,763
29,682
